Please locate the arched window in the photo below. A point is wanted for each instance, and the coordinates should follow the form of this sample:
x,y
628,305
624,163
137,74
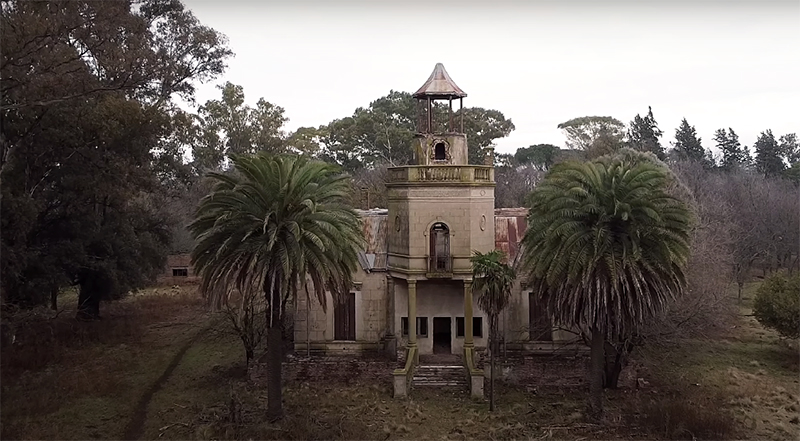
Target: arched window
x,y
440,247
439,153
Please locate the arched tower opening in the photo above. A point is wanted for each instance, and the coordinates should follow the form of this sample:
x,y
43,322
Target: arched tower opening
x,y
440,247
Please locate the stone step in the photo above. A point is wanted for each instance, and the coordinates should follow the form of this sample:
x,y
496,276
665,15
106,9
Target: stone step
x,y
436,374
440,376
442,384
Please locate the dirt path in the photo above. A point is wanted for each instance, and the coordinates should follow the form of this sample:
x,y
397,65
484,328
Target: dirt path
x,y
135,428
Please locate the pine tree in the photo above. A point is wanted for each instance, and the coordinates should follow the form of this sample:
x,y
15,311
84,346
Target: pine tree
x,y
769,158
687,145
790,148
734,154
644,135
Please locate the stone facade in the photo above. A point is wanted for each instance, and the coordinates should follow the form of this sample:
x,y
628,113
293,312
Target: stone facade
x,y
177,271
378,315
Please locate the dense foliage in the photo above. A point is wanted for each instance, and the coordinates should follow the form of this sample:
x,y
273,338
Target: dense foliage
x,y
606,248
276,224
87,141
777,304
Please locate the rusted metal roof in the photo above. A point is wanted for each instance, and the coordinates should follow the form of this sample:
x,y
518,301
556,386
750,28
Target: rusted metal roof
x,y
509,228
439,86
375,223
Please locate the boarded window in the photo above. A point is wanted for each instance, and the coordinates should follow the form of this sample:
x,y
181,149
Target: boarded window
x,y
540,327
344,319
422,326
477,327
180,272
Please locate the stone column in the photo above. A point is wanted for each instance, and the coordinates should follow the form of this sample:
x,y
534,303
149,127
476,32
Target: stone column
x,y
468,342
390,339
412,313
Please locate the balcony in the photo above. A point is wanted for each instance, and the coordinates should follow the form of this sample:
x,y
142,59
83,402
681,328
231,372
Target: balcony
x,y
464,174
440,266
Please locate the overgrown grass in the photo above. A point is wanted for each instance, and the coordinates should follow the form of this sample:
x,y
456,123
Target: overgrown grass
x,y
84,381
66,379
748,376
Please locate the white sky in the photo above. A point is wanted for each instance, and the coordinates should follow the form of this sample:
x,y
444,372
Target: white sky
x,y
717,63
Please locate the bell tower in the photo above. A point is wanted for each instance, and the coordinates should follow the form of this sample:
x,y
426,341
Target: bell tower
x,y
440,210
440,136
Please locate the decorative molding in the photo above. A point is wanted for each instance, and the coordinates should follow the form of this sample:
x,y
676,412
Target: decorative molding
x,y
447,154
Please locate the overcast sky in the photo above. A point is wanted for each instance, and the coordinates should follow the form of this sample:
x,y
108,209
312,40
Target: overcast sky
x,y
716,63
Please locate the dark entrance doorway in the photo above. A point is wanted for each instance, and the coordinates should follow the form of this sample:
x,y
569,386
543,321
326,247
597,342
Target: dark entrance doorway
x,y
344,318
540,327
441,335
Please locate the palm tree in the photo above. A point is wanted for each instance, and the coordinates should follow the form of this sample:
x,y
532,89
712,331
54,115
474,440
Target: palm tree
x,y
493,279
606,248
278,224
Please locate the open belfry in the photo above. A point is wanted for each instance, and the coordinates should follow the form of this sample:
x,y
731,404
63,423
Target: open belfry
x,y
440,210
413,296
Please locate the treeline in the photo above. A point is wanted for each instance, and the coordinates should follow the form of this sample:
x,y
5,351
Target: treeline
x,y
363,144
102,169
592,136
748,196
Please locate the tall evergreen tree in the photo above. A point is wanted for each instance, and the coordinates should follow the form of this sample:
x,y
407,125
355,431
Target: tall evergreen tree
x,y
644,135
769,158
734,154
790,148
688,145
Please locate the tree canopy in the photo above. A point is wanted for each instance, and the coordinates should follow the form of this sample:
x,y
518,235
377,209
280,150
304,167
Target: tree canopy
x,y
88,140
644,135
687,145
595,135
382,133
278,224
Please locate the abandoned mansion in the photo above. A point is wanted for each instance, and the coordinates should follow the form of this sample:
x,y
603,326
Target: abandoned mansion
x,y
412,295
413,292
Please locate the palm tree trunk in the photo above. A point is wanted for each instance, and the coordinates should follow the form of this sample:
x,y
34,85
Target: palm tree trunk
x,y
274,356
596,376
491,379
492,347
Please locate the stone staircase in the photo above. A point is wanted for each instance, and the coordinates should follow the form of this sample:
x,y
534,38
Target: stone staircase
x,y
440,376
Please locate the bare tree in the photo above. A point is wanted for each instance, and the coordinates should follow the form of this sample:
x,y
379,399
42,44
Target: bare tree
x,y
246,311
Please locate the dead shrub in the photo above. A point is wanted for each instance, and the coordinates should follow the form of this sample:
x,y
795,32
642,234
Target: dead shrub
x,y
676,418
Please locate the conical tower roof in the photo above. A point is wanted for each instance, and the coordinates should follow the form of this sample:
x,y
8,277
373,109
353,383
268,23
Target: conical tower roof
x,y
439,86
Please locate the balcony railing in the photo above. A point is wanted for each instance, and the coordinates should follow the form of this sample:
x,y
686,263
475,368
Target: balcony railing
x,y
441,266
441,173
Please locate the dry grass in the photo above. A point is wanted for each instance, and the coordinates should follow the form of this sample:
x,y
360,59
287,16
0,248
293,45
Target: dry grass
x,y
67,379
747,374
84,381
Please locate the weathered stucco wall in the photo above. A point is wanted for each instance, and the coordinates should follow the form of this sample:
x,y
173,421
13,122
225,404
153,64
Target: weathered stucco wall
x,y
177,261
370,309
